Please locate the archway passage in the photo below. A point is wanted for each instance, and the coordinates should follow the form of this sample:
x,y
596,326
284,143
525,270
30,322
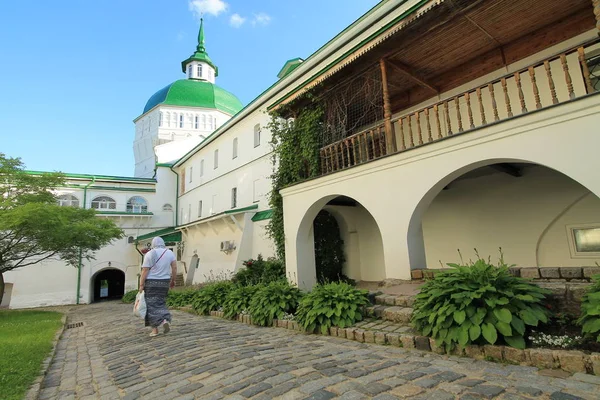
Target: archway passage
x,y
329,248
539,217
109,284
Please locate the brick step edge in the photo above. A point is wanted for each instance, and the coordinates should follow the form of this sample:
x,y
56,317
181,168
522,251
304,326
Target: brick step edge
x,y
390,313
573,361
378,298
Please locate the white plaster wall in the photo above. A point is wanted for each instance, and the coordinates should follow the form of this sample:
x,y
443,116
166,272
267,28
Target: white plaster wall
x,y
261,243
499,210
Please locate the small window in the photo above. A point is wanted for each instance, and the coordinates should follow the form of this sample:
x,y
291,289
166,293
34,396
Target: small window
x,y
167,207
191,174
104,203
235,148
160,119
587,240
181,120
213,208
189,216
201,168
199,70
137,204
234,198
256,135
200,209
216,159
68,200
181,216
189,71
196,122
203,121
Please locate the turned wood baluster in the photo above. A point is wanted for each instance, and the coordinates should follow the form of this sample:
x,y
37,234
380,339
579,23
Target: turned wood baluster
x,y
322,159
429,138
458,116
381,138
410,132
565,66
348,141
536,92
437,121
402,141
550,82
354,150
494,104
332,158
481,110
419,128
336,155
520,90
586,70
341,149
448,118
469,110
506,98
360,148
372,135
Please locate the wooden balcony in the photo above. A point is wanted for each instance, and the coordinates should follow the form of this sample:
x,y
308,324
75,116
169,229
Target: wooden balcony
x,y
561,78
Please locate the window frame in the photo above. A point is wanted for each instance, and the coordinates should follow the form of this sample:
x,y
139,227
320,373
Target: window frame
x,y
234,149
104,200
257,131
68,202
136,208
216,159
233,198
571,228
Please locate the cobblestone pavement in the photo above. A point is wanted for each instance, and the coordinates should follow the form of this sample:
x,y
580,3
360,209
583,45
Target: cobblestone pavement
x,y
112,357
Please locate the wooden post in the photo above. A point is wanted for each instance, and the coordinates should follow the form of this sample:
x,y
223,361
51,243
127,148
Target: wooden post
x,y
387,111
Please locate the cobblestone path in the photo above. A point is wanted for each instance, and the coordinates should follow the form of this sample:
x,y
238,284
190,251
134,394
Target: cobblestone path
x,y
112,357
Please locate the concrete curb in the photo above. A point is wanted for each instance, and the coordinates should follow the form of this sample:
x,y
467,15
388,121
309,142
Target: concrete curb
x,y
34,390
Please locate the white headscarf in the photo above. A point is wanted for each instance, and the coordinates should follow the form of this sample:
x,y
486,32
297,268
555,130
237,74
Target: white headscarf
x,y
157,243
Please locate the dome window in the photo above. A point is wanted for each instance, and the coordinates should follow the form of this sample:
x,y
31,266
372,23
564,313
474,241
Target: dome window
x,y
68,200
199,70
104,203
137,204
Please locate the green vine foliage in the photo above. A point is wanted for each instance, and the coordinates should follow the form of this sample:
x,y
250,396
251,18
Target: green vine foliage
x,y
477,304
590,310
238,300
329,249
129,297
295,158
333,304
272,301
211,297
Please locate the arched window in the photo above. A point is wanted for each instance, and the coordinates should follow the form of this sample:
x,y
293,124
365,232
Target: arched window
x,y
68,200
137,204
203,121
199,70
235,148
196,122
181,120
104,203
167,207
160,119
189,71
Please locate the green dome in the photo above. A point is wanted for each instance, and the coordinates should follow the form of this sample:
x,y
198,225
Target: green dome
x,y
195,93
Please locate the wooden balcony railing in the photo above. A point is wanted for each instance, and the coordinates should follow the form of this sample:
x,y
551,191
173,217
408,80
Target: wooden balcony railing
x,y
560,78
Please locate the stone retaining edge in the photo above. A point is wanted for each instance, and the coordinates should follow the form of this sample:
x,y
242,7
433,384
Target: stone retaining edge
x,y
34,390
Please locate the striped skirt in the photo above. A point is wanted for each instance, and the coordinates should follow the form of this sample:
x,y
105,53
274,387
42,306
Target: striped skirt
x,y
155,291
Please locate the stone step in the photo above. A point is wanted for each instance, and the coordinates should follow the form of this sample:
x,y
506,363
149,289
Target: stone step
x,y
394,300
179,280
396,314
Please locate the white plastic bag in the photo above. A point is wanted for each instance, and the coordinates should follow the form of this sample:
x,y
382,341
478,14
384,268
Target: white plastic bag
x,y
139,307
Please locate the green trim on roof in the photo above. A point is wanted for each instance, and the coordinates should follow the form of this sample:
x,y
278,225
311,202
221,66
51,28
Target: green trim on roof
x,y
238,210
195,93
123,213
112,188
289,66
168,235
167,165
262,215
100,177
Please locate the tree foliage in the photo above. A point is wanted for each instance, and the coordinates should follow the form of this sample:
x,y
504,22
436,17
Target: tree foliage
x,y
34,228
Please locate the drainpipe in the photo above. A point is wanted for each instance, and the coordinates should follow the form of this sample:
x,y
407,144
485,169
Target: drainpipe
x,y
85,188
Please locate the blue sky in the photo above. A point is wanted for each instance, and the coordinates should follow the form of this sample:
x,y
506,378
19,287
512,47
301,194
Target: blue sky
x,y
75,73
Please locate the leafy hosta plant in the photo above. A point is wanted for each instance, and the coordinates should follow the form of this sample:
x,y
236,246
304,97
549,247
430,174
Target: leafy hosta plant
x,y
129,297
181,298
333,304
211,297
238,300
476,304
273,301
590,310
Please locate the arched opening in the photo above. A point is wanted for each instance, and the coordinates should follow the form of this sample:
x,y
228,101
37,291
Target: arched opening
x,y
338,237
109,284
538,216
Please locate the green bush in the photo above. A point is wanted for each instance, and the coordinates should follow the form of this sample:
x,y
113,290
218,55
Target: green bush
x,y
272,301
129,297
333,304
211,297
238,300
259,271
181,298
478,303
590,310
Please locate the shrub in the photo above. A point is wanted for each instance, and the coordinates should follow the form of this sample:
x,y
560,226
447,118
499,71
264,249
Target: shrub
x,y
260,271
211,297
478,303
238,300
332,304
129,297
273,301
181,298
590,310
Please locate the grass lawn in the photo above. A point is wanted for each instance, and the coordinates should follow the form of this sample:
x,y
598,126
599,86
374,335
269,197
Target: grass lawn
x,y
25,341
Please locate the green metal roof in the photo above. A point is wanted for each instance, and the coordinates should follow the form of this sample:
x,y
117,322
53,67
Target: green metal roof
x,y
289,66
195,93
262,215
168,235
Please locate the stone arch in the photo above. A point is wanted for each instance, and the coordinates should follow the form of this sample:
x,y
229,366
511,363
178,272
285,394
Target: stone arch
x,y
107,283
415,240
363,245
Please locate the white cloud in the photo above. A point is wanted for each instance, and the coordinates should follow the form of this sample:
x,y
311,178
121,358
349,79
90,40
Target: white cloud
x,y
236,20
261,19
212,7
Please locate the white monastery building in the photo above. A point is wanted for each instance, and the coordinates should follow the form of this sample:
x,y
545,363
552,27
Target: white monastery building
x,y
447,125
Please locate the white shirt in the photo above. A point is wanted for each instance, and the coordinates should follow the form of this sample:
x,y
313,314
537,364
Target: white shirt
x,y
162,269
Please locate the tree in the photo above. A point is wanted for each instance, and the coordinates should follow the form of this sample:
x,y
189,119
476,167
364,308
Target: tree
x,y
34,228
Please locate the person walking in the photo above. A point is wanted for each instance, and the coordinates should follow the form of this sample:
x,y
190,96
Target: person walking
x,y
158,275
